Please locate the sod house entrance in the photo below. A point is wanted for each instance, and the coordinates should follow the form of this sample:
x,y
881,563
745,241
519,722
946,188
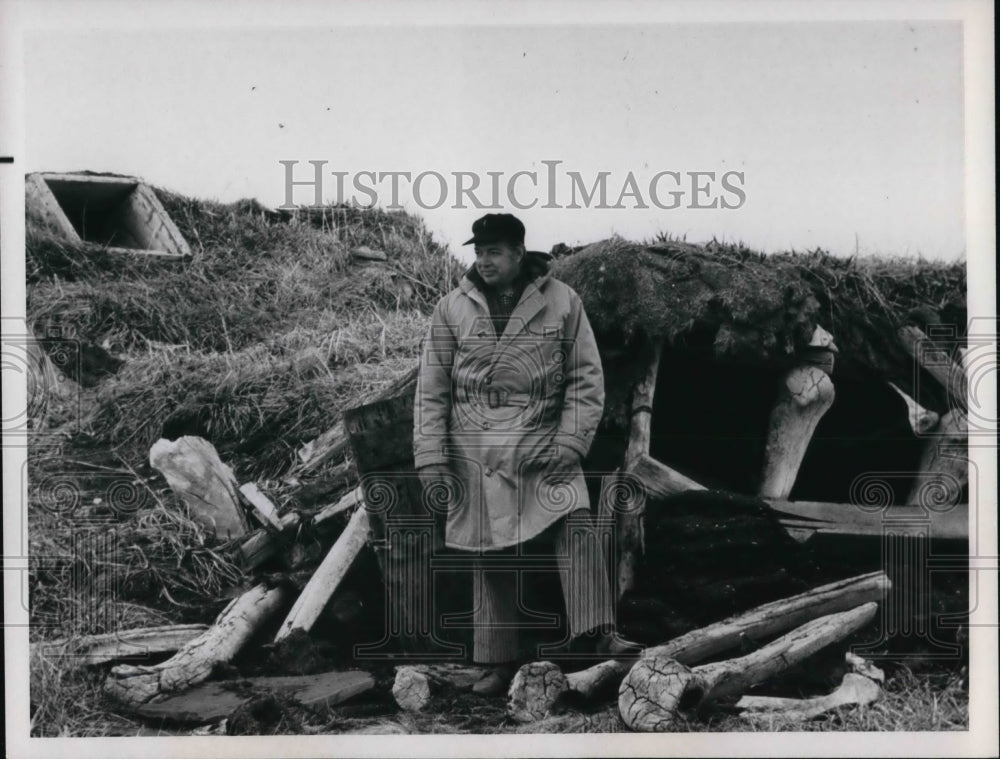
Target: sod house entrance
x,y
120,214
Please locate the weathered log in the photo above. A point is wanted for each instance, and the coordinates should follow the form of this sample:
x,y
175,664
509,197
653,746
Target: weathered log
x,y
855,689
332,444
922,420
263,543
195,472
416,685
937,363
261,505
944,464
534,697
327,577
804,395
100,649
628,520
217,700
535,687
194,662
659,689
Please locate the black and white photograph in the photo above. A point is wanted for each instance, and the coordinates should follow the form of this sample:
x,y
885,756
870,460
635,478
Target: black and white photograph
x,y
499,379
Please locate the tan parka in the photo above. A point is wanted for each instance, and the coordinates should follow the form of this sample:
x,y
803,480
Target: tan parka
x,y
490,409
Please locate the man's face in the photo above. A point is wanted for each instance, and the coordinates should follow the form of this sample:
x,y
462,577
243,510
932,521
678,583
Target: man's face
x,y
499,263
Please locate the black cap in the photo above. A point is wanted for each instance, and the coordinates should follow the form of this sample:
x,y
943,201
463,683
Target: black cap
x,y
497,227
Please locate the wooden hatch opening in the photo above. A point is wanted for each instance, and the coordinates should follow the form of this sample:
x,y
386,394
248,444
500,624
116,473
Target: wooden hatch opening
x,y
120,214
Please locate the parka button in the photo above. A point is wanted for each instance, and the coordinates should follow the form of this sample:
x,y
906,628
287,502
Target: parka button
x,y
489,471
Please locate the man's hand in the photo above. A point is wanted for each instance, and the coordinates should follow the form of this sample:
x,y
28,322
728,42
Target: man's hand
x,y
435,474
563,465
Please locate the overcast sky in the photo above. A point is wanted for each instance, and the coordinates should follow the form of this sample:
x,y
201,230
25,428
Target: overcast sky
x,y
848,135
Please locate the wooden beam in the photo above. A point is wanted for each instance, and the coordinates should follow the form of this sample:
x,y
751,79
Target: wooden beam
x,y
659,480
804,395
327,577
642,406
820,518
937,363
628,520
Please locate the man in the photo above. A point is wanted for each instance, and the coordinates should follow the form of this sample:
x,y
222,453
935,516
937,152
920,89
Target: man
x,y
509,396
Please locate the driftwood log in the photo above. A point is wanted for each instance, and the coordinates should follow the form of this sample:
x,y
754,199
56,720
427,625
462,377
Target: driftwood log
x,y
805,394
855,689
416,685
123,644
937,363
193,664
327,577
628,520
195,472
536,687
659,690
944,464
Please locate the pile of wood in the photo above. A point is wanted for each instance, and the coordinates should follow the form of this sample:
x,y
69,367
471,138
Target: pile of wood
x,y
670,682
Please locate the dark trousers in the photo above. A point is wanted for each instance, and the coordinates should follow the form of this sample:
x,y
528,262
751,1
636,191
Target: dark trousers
x,y
497,591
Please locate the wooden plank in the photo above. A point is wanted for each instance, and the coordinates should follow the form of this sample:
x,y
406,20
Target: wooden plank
x,y
850,519
262,505
264,543
123,644
327,577
214,701
660,480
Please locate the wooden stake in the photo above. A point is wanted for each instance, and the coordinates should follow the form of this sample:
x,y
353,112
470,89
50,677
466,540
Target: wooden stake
x,y
658,689
194,663
349,501
327,577
629,520
804,396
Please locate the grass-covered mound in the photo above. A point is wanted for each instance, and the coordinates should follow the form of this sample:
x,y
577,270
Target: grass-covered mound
x,y
741,306
258,341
